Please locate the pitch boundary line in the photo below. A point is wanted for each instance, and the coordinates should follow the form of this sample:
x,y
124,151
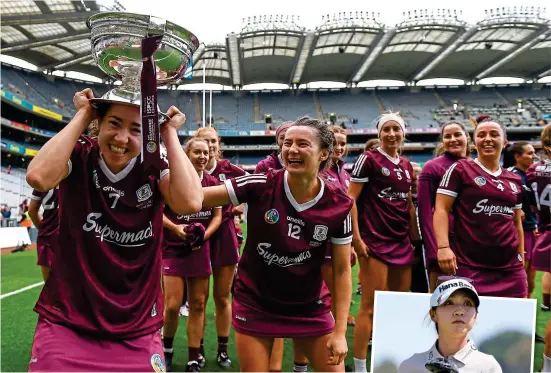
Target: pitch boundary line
x,y
21,290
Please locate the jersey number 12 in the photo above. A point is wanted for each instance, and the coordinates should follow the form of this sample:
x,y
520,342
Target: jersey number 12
x,y
294,231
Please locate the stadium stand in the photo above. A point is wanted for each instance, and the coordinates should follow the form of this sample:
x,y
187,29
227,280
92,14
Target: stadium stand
x,y
236,111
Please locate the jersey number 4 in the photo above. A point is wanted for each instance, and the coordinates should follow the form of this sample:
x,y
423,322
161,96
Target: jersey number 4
x,y
543,199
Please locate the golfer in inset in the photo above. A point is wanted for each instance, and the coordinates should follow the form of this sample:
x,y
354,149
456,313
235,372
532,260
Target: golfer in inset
x,y
454,309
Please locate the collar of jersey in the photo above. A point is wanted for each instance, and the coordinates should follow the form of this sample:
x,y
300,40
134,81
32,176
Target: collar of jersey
x,y
460,355
494,174
393,160
119,176
301,206
213,168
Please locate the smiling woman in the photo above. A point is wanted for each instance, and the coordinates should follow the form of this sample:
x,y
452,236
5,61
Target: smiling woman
x,y
488,241
105,290
292,214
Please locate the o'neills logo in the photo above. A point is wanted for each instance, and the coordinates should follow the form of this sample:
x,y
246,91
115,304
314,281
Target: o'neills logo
x,y
483,207
282,261
105,233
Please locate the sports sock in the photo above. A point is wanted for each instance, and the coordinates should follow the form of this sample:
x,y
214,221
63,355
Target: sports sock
x,y
547,300
193,353
168,344
546,364
360,365
298,367
223,344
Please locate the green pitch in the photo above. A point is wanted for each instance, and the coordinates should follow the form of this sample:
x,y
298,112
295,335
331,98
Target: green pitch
x,y
18,321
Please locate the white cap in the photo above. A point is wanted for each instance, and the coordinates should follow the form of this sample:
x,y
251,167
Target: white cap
x,y
446,289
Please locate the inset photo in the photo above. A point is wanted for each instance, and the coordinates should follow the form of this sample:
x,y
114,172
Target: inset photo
x,y
453,330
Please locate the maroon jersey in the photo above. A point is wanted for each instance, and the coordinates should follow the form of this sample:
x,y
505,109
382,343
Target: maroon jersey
x,y
338,175
429,179
383,211
225,170
49,224
485,232
105,279
171,241
272,161
280,269
539,180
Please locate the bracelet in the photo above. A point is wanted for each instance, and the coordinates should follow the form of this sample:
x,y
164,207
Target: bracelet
x,y
443,247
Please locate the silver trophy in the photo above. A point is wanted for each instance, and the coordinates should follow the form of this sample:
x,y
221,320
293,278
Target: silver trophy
x,y
116,47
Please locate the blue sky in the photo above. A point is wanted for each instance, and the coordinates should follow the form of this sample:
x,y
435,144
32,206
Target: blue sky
x,y
402,325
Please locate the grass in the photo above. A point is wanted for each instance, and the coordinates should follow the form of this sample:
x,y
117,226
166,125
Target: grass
x,y
18,321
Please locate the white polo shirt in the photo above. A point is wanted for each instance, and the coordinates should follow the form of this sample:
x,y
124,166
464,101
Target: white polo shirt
x,y
468,360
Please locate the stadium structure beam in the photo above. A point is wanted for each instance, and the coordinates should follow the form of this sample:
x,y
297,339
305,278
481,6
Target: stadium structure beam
x,y
524,45
375,52
24,32
232,46
75,35
44,8
33,19
543,74
75,59
465,35
366,55
302,57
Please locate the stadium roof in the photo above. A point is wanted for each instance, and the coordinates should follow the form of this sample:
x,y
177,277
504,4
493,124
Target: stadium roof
x,y
348,48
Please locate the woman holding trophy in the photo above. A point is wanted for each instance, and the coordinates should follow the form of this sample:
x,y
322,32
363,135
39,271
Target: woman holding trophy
x,y
102,306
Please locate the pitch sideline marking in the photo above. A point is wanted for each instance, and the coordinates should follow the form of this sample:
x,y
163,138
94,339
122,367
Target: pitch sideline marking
x,y
22,290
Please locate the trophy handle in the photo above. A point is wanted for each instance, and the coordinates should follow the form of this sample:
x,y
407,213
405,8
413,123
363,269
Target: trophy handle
x,y
163,118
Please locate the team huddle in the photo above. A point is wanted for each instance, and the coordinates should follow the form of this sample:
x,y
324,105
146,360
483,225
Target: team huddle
x,y
118,242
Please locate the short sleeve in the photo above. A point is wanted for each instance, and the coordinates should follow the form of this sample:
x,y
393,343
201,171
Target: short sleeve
x,y
163,163
81,150
243,189
343,235
236,171
518,205
37,196
451,182
261,167
361,169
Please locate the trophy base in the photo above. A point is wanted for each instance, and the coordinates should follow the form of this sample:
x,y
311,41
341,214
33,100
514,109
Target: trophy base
x,y
124,97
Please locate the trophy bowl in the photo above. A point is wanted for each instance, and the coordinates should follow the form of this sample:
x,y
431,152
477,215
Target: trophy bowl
x,y
116,48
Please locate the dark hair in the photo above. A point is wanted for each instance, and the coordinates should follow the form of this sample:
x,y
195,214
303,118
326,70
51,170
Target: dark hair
x,y
101,111
512,149
325,137
372,144
483,118
440,148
